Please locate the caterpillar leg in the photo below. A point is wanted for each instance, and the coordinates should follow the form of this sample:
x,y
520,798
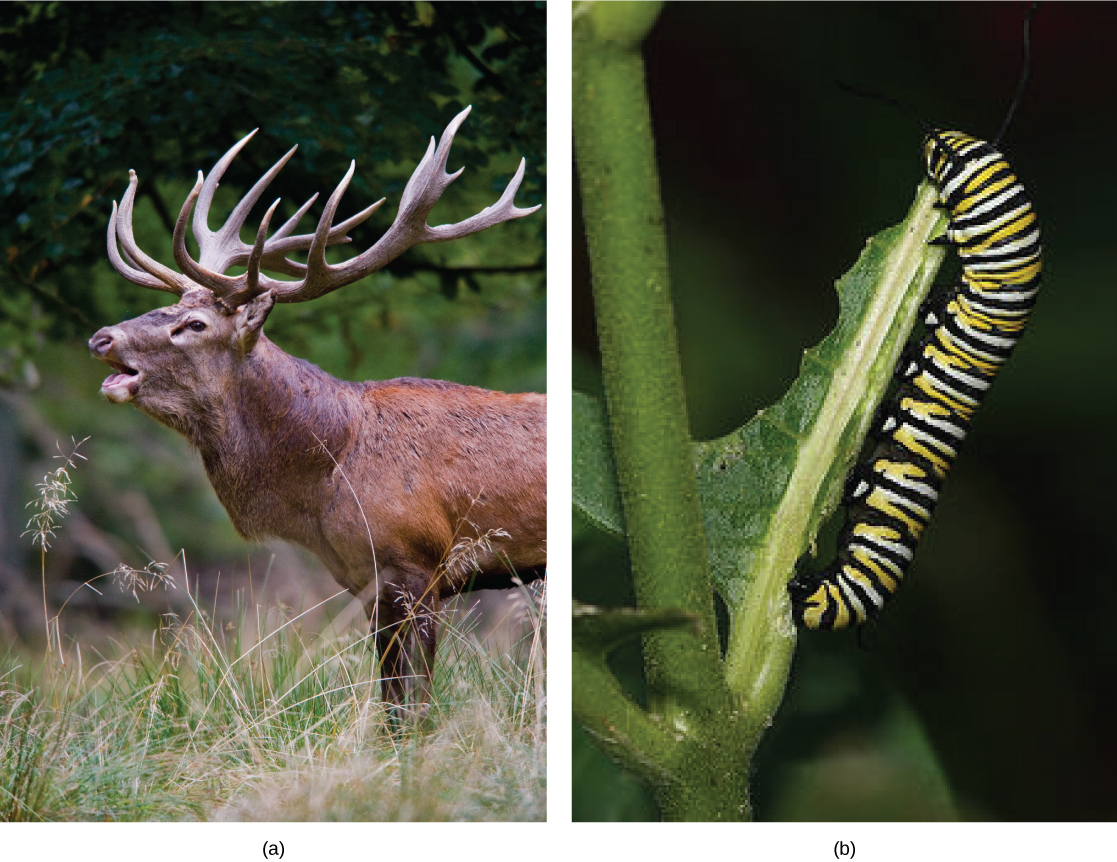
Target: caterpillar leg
x,y
930,310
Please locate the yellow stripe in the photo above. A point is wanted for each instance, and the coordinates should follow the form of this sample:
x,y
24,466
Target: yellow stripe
x,y
983,367
879,500
953,356
886,580
924,409
994,189
927,385
1018,226
973,187
938,460
969,318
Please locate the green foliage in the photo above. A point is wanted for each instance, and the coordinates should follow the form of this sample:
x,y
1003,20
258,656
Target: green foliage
x,y
898,774
763,490
91,90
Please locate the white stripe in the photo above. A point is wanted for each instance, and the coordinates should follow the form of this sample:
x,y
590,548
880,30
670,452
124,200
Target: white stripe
x,y
851,597
960,376
958,346
985,228
993,201
986,339
947,391
967,171
939,423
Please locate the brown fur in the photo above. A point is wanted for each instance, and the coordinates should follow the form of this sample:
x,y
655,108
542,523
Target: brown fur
x,y
380,479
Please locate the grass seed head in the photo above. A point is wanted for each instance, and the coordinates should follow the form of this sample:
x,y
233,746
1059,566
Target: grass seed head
x,y
54,498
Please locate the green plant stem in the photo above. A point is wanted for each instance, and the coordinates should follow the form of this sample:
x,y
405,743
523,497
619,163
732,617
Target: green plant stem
x,y
647,411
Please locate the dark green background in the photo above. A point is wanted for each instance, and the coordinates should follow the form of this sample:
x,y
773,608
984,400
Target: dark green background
x,y
987,690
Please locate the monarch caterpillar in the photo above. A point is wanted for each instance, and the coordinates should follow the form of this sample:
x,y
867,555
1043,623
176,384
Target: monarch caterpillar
x,y
973,328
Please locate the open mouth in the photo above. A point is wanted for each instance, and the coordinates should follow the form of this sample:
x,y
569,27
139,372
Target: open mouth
x,y
121,386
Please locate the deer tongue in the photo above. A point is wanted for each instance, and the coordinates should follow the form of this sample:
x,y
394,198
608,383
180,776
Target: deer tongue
x,y
120,387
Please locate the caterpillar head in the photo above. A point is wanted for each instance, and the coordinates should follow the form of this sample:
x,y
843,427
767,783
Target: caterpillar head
x,y
943,150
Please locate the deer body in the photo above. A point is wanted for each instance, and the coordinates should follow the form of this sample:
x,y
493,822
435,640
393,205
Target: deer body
x,y
380,480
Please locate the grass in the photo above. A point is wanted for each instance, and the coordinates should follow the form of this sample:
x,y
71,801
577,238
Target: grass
x,y
271,722
267,720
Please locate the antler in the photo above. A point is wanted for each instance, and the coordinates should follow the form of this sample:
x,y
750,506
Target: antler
x,y
151,273
223,248
219,249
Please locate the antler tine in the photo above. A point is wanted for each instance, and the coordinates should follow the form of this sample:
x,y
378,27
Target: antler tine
x,y
275,259
289,225
421,193
503,210
317,270
201,229
278,247
124,265
430,177
150,272
221,285
129,260
223,248
219,249
253,287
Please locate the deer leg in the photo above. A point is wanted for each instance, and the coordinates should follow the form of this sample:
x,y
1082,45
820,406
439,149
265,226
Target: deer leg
x,y
419,642
389,651
406,636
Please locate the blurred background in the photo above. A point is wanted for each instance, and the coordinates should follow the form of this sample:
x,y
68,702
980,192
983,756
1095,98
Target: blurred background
x,y
93,89
987,691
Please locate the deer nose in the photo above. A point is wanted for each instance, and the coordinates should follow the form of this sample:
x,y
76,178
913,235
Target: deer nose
x,y
101,342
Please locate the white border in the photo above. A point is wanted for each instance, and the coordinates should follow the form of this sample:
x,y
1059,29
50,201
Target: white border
x,y
560,194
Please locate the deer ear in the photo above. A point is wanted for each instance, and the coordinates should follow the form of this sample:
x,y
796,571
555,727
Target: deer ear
x,y
249,321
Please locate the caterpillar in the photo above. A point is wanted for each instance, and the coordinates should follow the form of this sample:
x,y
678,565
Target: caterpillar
x,y
973,328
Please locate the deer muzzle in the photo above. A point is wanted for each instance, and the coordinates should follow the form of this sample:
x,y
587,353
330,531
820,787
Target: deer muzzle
x,y
122,385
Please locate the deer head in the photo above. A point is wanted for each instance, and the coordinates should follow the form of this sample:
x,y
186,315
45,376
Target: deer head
x,y
171,362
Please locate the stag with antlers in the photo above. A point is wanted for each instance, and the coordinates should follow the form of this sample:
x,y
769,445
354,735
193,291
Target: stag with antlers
x,y
379,479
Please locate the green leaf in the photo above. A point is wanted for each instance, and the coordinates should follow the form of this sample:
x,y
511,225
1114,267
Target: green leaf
x,y
909,779
768,486
595,475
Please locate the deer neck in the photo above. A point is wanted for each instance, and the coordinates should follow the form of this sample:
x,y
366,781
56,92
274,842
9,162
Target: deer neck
x,y
274,442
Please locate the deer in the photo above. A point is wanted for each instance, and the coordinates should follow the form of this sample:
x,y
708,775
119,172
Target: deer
x,y
381,480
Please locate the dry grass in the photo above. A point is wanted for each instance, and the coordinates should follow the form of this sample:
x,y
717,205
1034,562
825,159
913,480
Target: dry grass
x,y
273,724
266,720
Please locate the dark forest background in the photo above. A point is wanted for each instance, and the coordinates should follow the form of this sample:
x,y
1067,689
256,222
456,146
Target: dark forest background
x,y
90,90
987,691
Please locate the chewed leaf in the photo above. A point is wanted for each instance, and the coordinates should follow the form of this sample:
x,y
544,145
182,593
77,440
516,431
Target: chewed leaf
x,y
768,486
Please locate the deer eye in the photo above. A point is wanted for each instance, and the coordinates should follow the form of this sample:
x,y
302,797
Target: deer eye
x,y
196,325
